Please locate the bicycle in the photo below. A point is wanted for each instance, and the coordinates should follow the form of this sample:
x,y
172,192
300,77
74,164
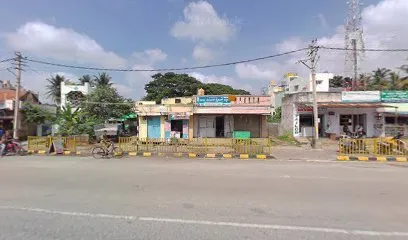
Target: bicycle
x,y
104,152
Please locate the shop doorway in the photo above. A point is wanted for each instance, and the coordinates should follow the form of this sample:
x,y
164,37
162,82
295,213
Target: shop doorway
x,y
219,126
176,128
350,122
306,123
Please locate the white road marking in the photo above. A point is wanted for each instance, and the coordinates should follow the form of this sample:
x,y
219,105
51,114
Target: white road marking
x,y
213,223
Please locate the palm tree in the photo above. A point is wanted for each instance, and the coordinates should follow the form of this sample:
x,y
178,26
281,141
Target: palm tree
x,y
86,78
103,79
54,87
380,79
394,81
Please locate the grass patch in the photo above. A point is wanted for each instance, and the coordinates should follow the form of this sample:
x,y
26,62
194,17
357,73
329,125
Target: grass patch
x,y
286,139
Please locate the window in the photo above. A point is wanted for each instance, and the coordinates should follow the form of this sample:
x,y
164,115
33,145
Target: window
x,y
296,88
319,81
177,100
400,120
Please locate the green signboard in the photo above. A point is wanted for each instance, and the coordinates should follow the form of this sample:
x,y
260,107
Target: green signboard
x,y
394,96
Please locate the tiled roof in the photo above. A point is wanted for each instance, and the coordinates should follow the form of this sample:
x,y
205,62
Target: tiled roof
x,y
10,94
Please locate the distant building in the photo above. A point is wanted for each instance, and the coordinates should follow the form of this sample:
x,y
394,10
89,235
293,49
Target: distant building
x,y
73,94
204,116
7,100
292,83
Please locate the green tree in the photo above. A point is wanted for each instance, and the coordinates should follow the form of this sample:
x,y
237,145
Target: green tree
x,y
340,82
54,87
86,79
219,89
379,79
74,122
277,116
103,79
336,82
104,102
34,114
170,85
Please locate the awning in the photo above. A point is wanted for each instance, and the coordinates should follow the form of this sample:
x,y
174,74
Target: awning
x,y
349,105
354,105
402,108
129,116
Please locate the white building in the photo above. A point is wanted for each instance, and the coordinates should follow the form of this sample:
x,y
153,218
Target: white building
x,y
292,83
73,93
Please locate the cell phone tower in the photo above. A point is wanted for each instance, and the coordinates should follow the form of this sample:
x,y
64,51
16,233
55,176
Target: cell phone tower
x,y
354,40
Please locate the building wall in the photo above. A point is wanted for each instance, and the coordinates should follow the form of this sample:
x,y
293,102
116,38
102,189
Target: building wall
x,y
264,127
370,118
322,82
191,125
289,102
65,89
143,127
178,100
251,123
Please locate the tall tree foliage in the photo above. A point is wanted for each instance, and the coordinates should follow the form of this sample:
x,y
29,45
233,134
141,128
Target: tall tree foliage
x,y
171,84
219,89
34,114
86,79
104,102
54,87
103,79
379,79
75,122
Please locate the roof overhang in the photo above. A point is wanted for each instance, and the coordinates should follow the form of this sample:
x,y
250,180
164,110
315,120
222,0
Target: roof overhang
x,y
352,105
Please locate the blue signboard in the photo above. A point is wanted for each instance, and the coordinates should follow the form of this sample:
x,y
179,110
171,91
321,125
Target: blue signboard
x,y
213,101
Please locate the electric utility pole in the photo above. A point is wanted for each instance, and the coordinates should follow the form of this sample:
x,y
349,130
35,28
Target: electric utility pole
x,y
18,67
355,67
311,62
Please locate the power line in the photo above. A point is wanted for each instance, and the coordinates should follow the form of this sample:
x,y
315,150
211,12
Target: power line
x,y
366,49
6,60
165,69
205,66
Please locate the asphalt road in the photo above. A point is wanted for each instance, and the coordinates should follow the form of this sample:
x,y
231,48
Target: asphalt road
x,y
83,198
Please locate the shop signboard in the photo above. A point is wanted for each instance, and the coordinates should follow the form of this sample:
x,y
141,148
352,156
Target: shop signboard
x,y
394,96
179,116
213,101
360,96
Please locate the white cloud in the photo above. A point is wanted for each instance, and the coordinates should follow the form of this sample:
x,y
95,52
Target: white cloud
x,y
203,54
202,23
62,44
212,78
256,72
385,26
137,80
150,56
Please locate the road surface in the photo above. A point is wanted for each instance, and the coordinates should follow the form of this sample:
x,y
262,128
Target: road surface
x,y
151,198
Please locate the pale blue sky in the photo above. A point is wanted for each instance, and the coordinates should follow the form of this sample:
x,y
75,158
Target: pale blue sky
x,y
124,27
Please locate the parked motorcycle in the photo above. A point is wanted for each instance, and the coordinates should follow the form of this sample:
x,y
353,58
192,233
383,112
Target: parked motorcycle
x,y
14,147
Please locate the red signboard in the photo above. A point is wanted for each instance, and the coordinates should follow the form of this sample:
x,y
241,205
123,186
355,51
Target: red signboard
x,y
304,108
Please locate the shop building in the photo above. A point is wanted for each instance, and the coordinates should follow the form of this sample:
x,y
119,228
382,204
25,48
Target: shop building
x,y
344,112
170,119
225,116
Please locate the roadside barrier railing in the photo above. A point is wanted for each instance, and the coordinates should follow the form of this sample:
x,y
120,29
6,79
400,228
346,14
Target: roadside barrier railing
x,y
373,147
44,143
196,145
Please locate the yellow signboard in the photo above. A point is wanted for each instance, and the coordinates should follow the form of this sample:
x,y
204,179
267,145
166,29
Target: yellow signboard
x,y
287,75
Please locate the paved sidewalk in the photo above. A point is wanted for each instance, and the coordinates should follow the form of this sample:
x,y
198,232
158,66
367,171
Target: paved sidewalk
x,y
300,153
